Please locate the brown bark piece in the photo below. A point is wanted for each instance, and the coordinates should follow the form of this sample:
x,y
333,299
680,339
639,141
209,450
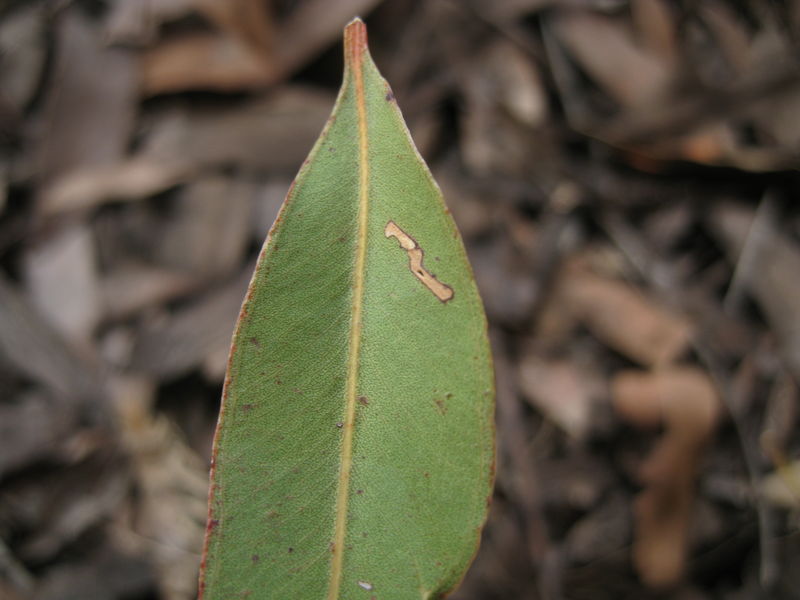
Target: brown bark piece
x,y
624,319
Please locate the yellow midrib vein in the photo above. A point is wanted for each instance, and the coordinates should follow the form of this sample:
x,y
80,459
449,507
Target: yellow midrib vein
x,y
355,46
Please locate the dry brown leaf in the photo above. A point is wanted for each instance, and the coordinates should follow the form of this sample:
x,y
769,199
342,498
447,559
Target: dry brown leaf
x,y
656,28
271,133
204,61
605,49
560,389
514,81
36,349
132,179
246,50
235,55
249,21
62,281
689,410
712,143
130,288
208,237
87,119
624,319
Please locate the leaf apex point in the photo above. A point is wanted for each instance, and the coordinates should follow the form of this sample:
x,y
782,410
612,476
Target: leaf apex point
x,y
355,40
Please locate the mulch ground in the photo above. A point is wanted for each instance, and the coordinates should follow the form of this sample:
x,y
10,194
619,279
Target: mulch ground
x,y
624,174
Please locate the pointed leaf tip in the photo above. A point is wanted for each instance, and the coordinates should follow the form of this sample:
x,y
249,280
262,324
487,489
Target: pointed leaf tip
x,y
355,40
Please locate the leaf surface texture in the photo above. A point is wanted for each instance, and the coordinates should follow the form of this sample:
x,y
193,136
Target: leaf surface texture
x,y
354,455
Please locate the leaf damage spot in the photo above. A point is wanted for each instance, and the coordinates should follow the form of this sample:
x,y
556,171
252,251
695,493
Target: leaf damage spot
x,y
415,256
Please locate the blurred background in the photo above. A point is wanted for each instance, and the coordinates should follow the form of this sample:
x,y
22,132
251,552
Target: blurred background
x,y
624,174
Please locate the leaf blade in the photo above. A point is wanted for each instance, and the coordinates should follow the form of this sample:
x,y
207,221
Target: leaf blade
x,y
340,337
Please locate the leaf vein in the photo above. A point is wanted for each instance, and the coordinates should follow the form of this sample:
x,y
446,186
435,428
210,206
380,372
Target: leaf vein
x,y
355,47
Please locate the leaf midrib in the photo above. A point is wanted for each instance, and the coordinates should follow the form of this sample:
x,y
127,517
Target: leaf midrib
x,y
355,47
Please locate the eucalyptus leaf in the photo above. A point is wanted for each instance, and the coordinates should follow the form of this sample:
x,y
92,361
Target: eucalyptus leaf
x,y
354,455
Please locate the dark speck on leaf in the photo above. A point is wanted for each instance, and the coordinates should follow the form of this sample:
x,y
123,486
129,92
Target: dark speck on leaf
x,y
389,96
340,424
255,558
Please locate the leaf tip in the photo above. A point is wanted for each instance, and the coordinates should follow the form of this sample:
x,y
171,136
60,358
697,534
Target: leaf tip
x,y
355,41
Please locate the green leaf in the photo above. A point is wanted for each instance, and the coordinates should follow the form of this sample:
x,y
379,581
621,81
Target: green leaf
x,y
354,455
